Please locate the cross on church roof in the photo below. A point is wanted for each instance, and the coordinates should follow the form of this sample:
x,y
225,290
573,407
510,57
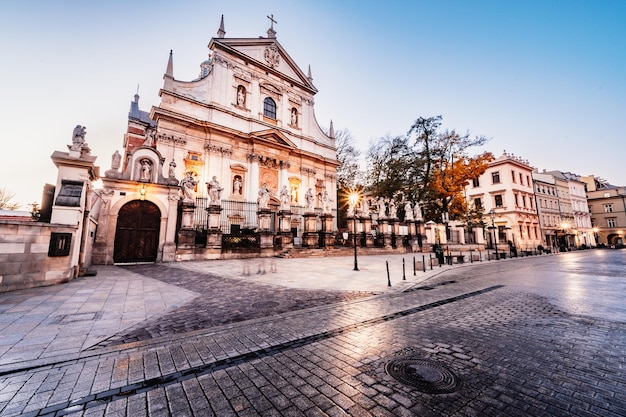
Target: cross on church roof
x,y
271,33
271,18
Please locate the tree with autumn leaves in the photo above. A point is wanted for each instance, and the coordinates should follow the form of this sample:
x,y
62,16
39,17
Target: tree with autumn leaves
x,y
430,166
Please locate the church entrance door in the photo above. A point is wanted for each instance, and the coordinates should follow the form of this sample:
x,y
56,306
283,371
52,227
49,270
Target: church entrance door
x,y
137,232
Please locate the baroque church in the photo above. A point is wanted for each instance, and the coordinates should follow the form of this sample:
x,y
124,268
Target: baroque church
x,y
232,162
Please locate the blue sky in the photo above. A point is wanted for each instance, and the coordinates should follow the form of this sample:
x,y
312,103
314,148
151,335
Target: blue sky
x,y
546,80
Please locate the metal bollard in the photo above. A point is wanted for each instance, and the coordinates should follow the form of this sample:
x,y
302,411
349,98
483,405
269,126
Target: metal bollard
x,y
403,271
423,263
431,261
388,279
414,266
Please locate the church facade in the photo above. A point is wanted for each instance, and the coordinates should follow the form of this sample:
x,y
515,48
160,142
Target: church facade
x,y
234,158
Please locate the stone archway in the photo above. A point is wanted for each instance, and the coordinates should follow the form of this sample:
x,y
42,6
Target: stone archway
x,y
137,232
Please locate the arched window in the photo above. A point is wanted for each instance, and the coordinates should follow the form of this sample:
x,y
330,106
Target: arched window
x,y
269,108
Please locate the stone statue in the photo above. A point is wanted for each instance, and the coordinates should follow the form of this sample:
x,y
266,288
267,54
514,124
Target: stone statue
x,y
309,199
326,206
146,170
188,184
408,212
393,210
172,170
294,117
417,212
150,137
215,191
241,96
365,207
284,199
264,197
116,159
78,138
382,208
350,212
237,185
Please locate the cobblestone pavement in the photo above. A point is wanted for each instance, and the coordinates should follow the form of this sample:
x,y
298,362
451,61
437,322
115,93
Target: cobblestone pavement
x,y
540,336
245,301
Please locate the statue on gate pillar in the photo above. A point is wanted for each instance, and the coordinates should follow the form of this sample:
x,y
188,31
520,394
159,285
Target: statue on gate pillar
x,y
187,186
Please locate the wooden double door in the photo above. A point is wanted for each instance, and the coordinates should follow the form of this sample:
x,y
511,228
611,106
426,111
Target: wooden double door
x,y
137,232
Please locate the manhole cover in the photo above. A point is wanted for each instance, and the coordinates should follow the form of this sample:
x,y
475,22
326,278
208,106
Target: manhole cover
x,y
265,304
425,375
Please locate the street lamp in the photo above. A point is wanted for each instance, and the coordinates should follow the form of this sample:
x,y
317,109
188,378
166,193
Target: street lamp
x,y
492,215
595,234
353,199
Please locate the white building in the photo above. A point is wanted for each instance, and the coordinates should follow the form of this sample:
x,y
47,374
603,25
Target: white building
x,y
506,190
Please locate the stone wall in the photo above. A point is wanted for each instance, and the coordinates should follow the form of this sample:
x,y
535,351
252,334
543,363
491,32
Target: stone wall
x,y
24,255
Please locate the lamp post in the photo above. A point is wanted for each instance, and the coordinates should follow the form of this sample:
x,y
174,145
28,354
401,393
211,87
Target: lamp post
x,y
353,200
492,215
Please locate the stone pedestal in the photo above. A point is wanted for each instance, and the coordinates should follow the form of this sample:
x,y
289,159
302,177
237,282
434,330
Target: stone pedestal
x,y
186,220
286,237
327,229
367,229
411,226
395,226
265,222
187,233
310,236
214,233
384,230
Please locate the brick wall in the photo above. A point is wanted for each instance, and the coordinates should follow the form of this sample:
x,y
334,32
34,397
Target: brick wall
x,y
24,260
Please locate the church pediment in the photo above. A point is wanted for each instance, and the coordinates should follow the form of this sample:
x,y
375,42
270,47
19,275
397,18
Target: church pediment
x,y
272,136
267,53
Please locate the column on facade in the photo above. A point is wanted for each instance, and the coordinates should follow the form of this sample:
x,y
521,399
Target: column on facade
x,y
169,249
252,180
283,176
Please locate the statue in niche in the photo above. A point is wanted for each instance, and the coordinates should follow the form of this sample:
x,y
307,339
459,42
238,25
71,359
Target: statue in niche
x,y
146,170
116,159
393,210
408,212
309,199
284,199
241,96
237,185
188,185
417,212
78,138
215,191
326,203
171,173
382,208
264,197
294,117
294,193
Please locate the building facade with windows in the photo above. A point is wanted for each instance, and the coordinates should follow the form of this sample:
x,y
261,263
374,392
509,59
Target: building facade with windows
x,y
548,208
245,128
576,230
506,189
607,204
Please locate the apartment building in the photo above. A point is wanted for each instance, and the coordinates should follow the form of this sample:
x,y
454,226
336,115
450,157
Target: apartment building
x,y
505,192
